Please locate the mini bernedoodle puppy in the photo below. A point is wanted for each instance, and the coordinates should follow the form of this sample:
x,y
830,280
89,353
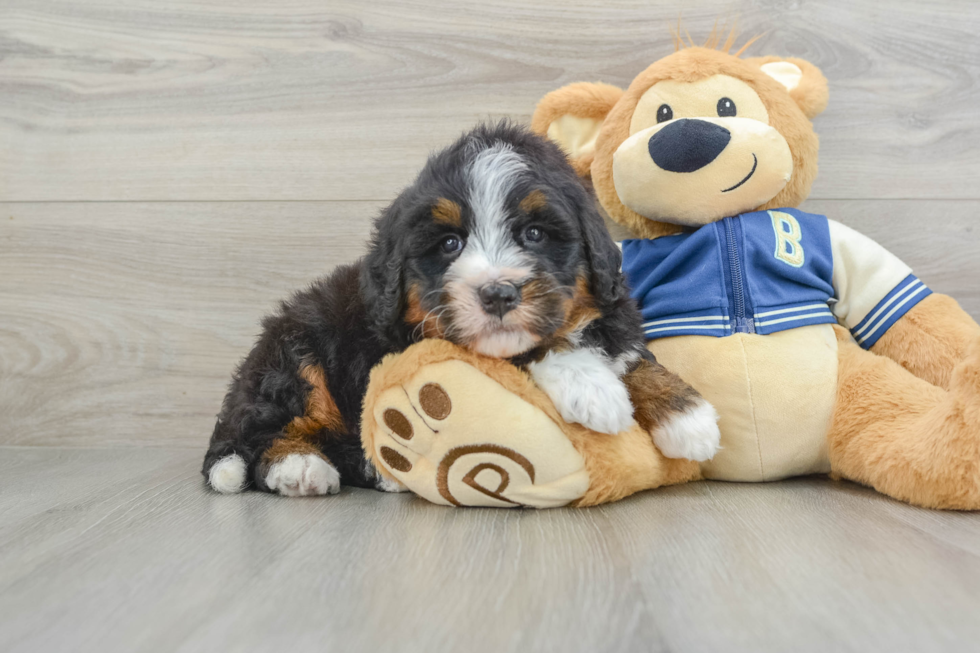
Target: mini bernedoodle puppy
x,y
497,247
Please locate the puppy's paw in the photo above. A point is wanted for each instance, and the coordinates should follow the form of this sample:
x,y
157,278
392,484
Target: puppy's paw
x,y
383,483
585,390
303,475
692,434
457,437
389,485
228,474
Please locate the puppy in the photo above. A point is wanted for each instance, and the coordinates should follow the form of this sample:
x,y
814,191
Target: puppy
x,y
496,247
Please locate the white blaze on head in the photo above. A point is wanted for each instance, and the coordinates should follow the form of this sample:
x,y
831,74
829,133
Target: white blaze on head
x,y
491,254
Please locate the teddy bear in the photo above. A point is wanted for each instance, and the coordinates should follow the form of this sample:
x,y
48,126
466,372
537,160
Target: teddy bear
x,y
822,352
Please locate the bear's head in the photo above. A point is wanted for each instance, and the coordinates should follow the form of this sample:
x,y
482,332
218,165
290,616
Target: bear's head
x,y
698,136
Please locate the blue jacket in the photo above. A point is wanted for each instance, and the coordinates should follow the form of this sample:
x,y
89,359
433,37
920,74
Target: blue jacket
x,y
765,272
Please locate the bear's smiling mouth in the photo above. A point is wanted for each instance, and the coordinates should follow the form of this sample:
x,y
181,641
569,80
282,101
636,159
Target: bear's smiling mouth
x,y
755,164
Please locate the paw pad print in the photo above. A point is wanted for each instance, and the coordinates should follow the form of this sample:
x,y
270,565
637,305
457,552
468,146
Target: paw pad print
x,y
399,424
435,401
456,437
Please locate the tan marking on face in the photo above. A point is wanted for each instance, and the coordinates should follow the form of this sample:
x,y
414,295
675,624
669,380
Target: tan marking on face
x,y
534,201
580,310
447,212
487,334
534,290
540,300
415,314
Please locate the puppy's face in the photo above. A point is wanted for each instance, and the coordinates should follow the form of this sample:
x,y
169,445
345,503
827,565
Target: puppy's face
x,y
494,254
494,258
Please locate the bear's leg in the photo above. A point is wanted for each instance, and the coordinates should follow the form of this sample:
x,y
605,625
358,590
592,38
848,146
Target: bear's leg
x,y
904,436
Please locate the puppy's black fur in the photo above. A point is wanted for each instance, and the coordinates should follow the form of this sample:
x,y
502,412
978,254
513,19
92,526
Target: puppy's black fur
x,y
346,322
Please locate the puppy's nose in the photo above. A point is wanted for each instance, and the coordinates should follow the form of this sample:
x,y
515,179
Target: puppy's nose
x,y
499,298
687,145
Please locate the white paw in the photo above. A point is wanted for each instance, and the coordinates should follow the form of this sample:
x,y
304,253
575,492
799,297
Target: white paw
x,y
303,475
692,434
585,389
228,474
389,485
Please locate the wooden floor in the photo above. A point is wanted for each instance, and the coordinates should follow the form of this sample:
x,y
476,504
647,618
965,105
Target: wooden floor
x,y
123,550
168,170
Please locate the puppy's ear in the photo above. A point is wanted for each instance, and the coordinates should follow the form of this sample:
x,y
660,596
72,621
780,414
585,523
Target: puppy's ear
x,y
804,81
604,258
572,116
381,280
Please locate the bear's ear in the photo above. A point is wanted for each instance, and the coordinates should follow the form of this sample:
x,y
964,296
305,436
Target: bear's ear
x,y
572,116
804,81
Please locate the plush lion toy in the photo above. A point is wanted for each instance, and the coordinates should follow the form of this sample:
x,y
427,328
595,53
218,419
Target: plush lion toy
x,y
822,352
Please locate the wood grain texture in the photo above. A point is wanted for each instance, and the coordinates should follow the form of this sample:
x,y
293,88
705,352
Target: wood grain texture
x,y
125,550
121,322
301,99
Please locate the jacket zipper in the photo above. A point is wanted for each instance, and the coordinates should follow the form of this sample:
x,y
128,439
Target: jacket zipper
x,y
742,323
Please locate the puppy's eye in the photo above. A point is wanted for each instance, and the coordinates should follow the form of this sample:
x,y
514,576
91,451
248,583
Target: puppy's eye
x,y
664,113
451,244
726,108
533,234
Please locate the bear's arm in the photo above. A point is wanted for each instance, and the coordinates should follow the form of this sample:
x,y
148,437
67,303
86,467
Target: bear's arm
x,y
930,339
892,313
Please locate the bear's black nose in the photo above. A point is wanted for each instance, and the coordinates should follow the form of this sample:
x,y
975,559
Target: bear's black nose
x,y
687,145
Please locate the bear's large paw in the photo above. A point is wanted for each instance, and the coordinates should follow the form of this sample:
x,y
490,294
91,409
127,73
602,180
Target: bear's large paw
x,y
455,436
692,434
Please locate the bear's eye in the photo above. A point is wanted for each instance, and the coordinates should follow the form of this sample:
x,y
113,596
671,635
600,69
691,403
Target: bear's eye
x,y
664,113
726,108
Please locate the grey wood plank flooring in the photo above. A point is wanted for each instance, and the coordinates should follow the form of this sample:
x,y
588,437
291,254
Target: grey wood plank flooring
x,y
124,550
342,100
